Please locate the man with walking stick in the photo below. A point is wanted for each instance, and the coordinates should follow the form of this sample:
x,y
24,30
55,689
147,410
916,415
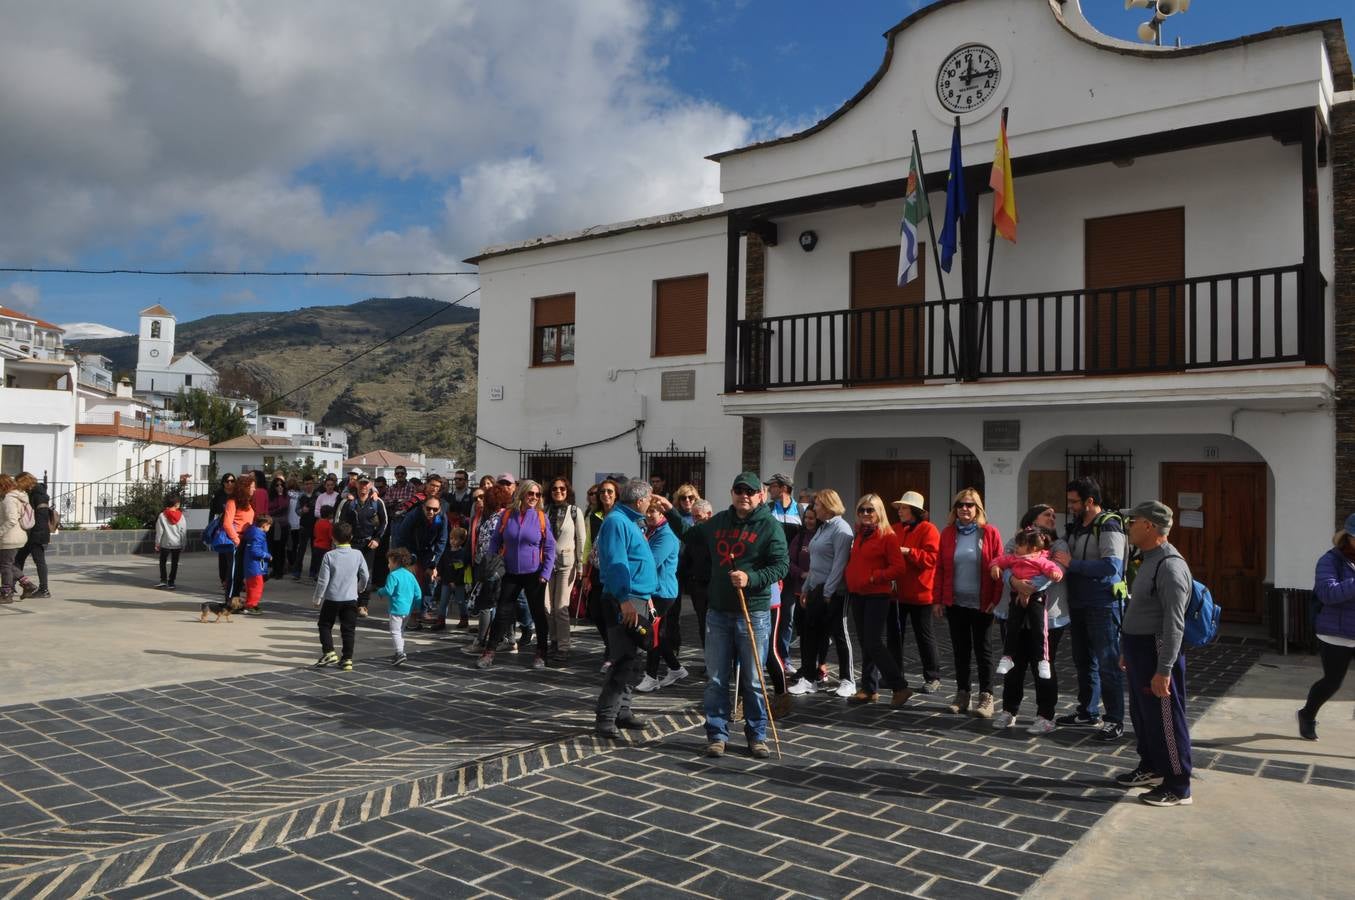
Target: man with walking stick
x,y
748,555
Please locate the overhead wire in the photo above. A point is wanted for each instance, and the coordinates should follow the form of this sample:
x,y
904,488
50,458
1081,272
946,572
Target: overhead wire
x,y
204,272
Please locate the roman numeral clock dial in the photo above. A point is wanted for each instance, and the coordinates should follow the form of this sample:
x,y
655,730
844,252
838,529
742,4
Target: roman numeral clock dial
x,y
968,78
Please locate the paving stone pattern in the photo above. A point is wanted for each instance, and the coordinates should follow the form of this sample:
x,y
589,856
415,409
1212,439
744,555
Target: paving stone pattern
x,y
455,782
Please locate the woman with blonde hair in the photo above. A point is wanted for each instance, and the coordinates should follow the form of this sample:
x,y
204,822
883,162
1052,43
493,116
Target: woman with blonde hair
x,y
822,600
873,571
528,547
967,598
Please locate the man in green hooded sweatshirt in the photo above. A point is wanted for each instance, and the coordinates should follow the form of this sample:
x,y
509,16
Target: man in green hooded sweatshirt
x,y
747,552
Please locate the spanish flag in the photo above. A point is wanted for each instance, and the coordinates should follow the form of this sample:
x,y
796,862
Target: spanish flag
x,y
1004,197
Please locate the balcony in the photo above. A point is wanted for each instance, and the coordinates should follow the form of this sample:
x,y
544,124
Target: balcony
x,y
1263,317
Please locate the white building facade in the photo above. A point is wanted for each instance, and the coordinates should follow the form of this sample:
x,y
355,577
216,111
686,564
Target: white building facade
x,y
1166,322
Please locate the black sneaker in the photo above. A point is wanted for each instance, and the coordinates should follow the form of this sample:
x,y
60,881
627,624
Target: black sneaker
x,y
1077,720
632,723
1164,797
46,593
168,587
327,659
1140,777
1307,727
607,730
399,659
1110,732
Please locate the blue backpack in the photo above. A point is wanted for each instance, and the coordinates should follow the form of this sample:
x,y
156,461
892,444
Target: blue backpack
x,y
1202,613
215,537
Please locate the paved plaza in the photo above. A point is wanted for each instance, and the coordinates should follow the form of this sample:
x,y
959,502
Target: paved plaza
x,y
144,754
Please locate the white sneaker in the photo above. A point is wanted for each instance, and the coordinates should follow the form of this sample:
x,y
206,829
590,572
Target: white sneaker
x,y
1042,669
673,676
1041,726
1005,666
846,688
801,687
1004,719
931,687
647,685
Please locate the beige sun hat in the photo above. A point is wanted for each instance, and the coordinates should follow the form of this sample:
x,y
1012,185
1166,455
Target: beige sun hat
x,y
913,499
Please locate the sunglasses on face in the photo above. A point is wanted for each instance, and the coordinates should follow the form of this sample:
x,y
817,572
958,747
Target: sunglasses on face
x,y
744,491
433,509
533,494
865,511
560,489
966,504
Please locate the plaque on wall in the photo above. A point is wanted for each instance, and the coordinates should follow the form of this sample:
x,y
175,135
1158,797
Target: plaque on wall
x,y
678,384
1002,434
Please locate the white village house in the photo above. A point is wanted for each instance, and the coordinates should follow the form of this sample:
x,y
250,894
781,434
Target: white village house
x,y
160,372
38,408
1169,319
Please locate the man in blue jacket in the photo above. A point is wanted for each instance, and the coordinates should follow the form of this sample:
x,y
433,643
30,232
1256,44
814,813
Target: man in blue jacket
x,y
1096,595
629,579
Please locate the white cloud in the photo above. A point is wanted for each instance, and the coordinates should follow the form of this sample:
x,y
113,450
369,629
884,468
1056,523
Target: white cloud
x,y
20,295
188,130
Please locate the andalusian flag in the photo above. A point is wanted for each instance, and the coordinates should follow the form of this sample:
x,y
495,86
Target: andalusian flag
x,y
915,211
1004,197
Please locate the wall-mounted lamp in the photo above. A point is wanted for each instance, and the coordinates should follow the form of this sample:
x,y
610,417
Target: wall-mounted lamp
x,y
808,240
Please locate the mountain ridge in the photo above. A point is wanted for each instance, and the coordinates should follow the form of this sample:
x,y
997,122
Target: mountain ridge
x,y
416,392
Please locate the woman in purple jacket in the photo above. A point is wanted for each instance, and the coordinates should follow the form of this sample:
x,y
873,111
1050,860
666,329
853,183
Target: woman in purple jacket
x,y
527,545
1334,588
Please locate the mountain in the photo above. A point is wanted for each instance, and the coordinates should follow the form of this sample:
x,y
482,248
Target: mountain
x,y
416,392
77,331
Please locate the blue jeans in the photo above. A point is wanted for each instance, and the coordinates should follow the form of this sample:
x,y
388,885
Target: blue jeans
x,y
1095,633
727,641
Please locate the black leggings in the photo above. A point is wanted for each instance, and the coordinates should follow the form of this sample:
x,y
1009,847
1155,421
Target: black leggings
x,y
223,567
39,554
235,585
669,639
837,626
1014,682
875,615
969,638
506,611
1335,661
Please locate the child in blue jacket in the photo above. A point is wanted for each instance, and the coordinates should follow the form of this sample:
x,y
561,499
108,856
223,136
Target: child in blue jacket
x,y
257,559
402,590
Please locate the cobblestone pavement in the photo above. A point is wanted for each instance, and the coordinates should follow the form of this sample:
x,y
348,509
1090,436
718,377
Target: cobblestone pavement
x,y
439,779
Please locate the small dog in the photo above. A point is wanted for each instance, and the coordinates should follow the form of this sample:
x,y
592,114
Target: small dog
x,y
222,609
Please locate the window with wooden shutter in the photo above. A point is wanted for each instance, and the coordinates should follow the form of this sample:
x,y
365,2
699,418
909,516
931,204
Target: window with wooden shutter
x,y
887,328
1144,327
553,330
680,316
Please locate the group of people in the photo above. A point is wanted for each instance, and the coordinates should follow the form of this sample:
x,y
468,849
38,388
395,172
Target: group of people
x,y
527,561
26,524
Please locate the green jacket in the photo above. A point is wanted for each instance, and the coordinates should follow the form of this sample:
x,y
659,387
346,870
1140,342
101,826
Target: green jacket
x,y
756,545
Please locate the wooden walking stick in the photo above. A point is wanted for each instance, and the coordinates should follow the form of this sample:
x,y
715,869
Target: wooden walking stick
x,y
761,680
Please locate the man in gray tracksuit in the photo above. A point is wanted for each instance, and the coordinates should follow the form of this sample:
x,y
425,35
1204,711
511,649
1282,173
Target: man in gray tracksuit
x,y
1154,629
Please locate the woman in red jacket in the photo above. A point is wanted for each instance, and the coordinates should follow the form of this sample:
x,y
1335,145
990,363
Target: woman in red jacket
x,y
875,565
967,598
920,542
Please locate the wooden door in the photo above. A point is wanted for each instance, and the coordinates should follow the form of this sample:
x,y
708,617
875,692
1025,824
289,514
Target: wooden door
x,y
888,334
1224,539
1143,329
891,479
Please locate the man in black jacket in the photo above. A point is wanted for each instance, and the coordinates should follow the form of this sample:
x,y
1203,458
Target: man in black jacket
x,y
366,513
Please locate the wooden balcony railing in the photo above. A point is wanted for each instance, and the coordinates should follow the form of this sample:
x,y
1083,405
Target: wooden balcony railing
x,y
1259,317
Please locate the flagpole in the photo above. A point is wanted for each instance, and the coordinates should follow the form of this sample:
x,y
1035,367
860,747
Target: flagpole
x,y
992,228
931,226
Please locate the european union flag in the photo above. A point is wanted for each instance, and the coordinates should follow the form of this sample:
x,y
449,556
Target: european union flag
x,y
956,201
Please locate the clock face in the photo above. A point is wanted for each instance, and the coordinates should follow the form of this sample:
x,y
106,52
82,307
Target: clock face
x,y
968,78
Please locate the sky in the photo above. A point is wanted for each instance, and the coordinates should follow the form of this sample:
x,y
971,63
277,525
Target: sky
x,y
332,135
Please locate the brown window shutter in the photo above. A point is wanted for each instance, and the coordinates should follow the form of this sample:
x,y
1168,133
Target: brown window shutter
x,y
680,315
554,310
1135,248
887,345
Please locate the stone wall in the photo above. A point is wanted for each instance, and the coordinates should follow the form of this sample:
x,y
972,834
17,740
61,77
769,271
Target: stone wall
x,y
1342,158
112,542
